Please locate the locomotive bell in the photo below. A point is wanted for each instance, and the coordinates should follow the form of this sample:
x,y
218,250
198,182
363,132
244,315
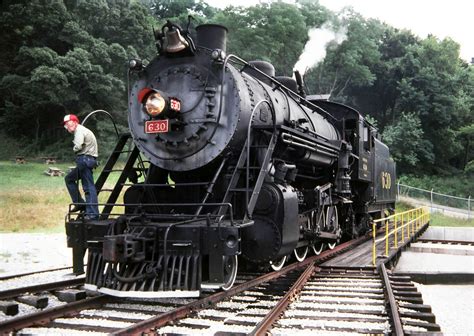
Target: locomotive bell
x,y
175,42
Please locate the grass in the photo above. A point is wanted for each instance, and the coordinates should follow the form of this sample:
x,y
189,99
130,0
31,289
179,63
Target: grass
x,y
438,219
31,201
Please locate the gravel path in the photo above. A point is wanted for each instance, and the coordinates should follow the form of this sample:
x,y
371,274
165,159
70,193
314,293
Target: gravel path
x,y
453,306
29,252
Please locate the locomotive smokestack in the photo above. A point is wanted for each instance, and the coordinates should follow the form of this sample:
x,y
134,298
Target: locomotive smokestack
x,y
299,82
212,36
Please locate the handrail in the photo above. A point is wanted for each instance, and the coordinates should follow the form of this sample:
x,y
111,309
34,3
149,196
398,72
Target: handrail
x,y
415,218
74,216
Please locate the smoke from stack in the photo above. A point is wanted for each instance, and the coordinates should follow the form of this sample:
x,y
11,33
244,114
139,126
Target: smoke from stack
x,y
315,49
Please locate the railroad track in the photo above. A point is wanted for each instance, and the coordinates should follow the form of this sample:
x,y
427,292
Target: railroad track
x,y
20,301
38,277
319,301
105,314
20,275
301,298
445,242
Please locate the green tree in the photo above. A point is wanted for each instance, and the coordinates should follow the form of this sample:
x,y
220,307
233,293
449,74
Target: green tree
x,y
407,144
275,32
466,135
432,87
380,98
349,65
67,56
169,9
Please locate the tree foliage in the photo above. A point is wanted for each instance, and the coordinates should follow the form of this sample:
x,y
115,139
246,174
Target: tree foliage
x,y
401,81
68,55
406,141
275,32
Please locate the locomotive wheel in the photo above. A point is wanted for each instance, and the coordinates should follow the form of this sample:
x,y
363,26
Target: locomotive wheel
x,y
230,271
278,264
332,220
320,222
300,253
318,248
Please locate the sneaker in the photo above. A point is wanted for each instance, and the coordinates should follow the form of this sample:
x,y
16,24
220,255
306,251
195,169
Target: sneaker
x,y
77,208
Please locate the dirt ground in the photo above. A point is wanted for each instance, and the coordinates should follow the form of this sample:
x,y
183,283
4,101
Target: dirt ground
x,y
28,252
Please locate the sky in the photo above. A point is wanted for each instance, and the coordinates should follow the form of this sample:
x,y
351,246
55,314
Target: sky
x,y
453,18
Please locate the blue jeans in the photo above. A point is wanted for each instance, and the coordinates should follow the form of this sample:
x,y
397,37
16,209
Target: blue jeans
x,y
83,171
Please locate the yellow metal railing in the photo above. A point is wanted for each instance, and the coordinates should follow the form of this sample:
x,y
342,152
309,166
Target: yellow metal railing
x,y
407,223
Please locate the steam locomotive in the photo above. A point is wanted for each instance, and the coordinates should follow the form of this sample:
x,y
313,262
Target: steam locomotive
x,y
236,164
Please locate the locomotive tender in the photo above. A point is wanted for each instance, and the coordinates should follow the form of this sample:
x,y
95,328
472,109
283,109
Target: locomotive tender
x,y
243,166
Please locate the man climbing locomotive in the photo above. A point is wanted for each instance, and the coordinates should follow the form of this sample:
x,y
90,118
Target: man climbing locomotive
x,y
241,168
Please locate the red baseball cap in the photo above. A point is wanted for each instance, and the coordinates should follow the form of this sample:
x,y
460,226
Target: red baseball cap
x,y
70,117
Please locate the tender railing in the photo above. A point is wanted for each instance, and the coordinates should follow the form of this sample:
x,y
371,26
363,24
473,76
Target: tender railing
x,y
405,223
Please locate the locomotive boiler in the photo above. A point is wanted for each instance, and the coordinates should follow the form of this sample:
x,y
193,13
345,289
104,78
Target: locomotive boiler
x,y
238,165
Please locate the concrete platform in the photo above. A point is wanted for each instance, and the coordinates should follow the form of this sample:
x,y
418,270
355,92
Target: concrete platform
x,y
435,263
445,276
439,248
449,233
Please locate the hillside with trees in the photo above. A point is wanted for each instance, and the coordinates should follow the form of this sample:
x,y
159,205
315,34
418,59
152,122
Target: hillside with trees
x,y
71,56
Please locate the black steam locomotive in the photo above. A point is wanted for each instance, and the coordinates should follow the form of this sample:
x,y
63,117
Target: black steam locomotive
x,y
237,164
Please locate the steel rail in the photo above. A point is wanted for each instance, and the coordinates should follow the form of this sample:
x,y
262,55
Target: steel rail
x,y
19,275
274,314
394,309
47,315
394,314
162,319
445,241
9,293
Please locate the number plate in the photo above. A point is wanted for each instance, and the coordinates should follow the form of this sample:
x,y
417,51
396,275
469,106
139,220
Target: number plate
x,y
156,126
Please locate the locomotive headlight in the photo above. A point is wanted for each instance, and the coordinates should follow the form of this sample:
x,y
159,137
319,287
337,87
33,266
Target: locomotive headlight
x,y
155,104
158,104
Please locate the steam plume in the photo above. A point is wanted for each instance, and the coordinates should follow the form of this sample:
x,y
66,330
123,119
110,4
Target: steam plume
x,y
315,49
